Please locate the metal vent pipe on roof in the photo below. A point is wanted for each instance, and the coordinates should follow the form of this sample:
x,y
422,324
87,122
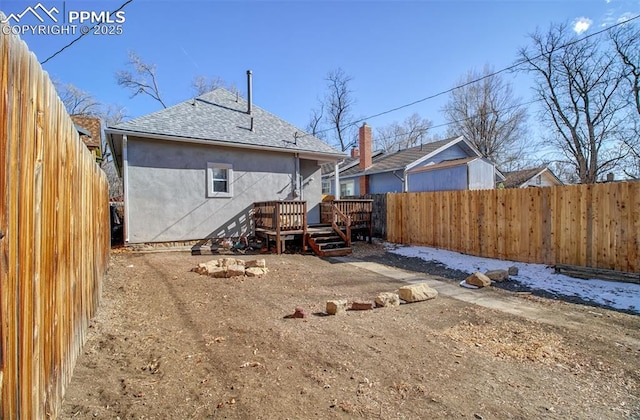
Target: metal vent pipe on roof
x,y
249,92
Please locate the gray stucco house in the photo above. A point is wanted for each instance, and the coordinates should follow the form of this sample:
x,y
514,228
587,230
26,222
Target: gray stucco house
x,y
451,164
193,171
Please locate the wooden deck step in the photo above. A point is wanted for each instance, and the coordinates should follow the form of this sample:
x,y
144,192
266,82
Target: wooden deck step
x,y
324,242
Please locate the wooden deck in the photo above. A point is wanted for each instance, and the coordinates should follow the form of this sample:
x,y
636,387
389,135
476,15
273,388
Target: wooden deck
x,y
280,221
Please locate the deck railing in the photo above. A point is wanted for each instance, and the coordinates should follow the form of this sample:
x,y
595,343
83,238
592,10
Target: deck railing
x,y
359,209
278,218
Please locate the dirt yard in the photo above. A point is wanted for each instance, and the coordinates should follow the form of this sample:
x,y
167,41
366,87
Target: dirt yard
x,y
168,343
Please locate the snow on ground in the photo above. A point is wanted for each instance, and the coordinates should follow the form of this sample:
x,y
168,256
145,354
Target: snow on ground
x,y
617,295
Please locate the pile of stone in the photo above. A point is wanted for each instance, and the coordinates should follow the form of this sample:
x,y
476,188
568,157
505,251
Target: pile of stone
x,y
409,294
479,279
232,267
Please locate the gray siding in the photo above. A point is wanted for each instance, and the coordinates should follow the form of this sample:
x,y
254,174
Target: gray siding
x,y
454,178
167,189
481,175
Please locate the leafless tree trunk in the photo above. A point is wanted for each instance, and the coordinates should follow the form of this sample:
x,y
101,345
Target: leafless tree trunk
x,y
626,40
488,115
142,80
338,106
397,136
316,118
580,87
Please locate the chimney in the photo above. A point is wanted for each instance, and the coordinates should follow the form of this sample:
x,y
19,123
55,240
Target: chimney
x,y
355,152
365,152
249,92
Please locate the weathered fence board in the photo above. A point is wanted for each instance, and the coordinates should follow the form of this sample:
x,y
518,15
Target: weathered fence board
x,y
594,226
54,240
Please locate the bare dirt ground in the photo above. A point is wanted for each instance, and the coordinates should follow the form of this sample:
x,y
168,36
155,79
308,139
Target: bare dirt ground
x,y
170,343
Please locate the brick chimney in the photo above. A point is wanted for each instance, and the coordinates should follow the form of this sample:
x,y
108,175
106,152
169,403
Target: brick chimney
x,y
355,152
364,136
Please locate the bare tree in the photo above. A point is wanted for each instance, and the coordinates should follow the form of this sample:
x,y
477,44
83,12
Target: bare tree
x,y
201,85
489,116
77,101
626,40
316,118
339,104
142,80
397,136
579,85
336,109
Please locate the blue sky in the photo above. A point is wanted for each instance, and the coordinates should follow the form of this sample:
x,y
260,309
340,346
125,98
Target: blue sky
x,y
395,51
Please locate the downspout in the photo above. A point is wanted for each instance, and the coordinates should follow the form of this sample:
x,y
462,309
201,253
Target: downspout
x,y
403,179
297,190
337,181
125,186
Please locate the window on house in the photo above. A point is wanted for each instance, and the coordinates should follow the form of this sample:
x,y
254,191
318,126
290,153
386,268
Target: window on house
x,y
539,180
326,186
219,180
346,188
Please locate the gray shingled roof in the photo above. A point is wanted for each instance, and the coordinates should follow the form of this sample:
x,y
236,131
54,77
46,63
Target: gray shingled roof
x,y
516,178
400,159
221,116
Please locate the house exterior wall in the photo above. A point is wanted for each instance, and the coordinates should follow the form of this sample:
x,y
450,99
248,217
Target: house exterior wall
x,y
167,189
385,182
311,188
450,153
481,175
546,180
453,178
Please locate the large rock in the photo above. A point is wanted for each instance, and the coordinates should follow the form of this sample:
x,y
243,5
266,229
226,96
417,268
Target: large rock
x,y
498,275
335,307
261,263
387,299
417,292
362,306
478,279
217,272
255,271
300,312
235,270
226,262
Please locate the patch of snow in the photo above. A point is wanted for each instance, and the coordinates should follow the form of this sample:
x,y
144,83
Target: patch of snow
x,y
617,295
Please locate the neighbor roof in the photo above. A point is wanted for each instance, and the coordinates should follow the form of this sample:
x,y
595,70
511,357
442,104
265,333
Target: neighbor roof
x,y
220,116
517,178
402,158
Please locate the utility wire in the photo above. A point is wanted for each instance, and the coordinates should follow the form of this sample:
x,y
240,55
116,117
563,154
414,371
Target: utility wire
x,y
495,73
82,35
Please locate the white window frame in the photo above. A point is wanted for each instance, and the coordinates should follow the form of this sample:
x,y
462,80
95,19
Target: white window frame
x,y
210,181
346,184
326,186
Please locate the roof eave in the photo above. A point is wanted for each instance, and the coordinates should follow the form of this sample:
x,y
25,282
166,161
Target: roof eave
x,y
305,152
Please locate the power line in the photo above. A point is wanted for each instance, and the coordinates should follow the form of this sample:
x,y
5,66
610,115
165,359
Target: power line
x,y
82,35
495,73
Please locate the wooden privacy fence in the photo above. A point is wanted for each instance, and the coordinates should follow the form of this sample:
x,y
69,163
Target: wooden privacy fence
x,y
586,225
55,238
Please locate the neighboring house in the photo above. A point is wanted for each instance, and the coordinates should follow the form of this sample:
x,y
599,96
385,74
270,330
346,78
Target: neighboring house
x,y
90,131
540,176
193,171
451,164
